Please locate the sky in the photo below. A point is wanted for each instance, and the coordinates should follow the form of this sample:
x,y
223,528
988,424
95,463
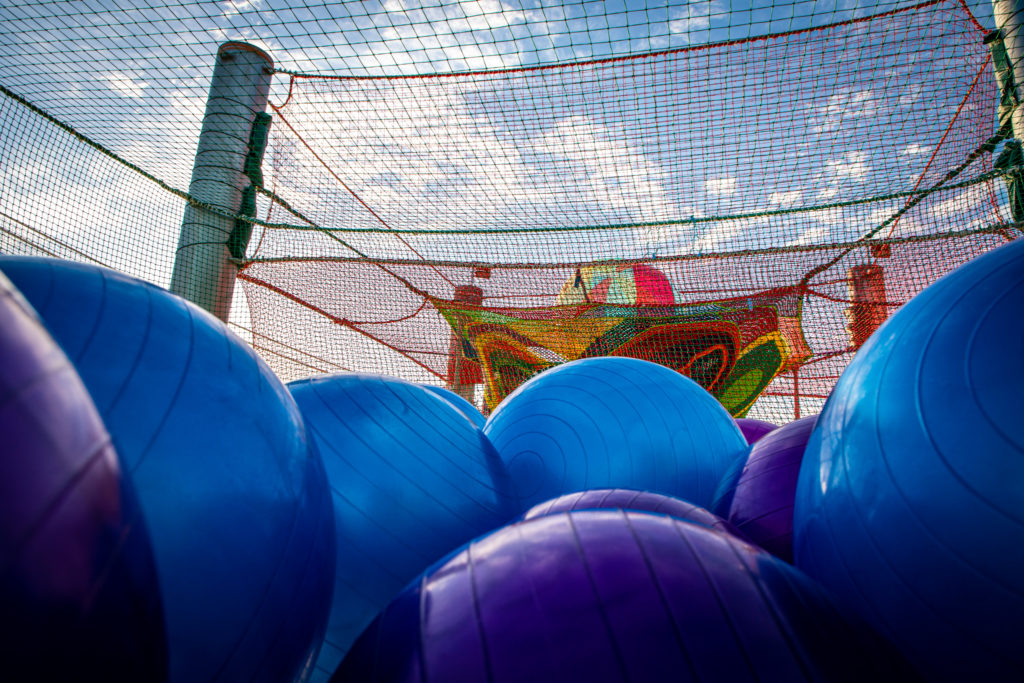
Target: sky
x,y
666,144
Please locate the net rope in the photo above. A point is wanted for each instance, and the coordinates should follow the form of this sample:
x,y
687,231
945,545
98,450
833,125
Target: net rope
x,y
452,197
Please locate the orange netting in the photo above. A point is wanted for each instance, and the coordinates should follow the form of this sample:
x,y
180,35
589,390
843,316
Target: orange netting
x,y
746,212
429,226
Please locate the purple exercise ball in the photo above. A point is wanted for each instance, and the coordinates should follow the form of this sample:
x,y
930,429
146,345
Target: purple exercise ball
x,y
762,504
78,589
727,486
615,595
630,499
754,430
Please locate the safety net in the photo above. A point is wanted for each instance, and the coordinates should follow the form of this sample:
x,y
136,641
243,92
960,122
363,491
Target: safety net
x,y
743,194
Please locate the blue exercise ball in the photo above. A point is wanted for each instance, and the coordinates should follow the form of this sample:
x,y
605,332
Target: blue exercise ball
x,y
78,585
464,406
412,479
909,501
614,423
615,595
236,500
630,499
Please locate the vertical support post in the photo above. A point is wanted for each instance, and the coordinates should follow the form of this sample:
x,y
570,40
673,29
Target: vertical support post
x,y
867,311
463,374
203,270
1009,17
796,393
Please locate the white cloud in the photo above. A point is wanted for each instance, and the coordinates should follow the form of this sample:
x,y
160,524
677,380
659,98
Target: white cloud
x,y
843,106
478,176
914,149
689,24
853,165
882,214
427,158
446,35
828,192
811,235
912,93
965,205
790,198
610,172
125,85
187,104
659,236
478,58
692,17
906,224
490,14
724,235
100,230
720,186
235,7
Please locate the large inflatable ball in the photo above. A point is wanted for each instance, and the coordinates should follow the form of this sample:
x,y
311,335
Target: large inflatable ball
x,y
628,499
754,430
78,590
726,489
762,503
614,423
412,479
910,502
235,499
614,595
464,406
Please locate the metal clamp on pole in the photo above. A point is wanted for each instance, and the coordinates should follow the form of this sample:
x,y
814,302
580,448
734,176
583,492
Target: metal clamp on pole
x,y
1009,17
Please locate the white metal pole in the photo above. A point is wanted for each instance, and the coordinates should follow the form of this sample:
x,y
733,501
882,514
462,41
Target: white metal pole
x,y
203,270
1009,17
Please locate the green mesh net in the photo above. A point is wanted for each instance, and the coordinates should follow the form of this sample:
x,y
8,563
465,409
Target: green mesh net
x,y
468,193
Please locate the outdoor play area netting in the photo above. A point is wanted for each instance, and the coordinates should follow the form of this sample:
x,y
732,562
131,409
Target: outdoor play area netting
x,y
744,210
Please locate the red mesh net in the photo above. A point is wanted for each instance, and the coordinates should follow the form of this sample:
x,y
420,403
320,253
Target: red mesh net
x,y
653,205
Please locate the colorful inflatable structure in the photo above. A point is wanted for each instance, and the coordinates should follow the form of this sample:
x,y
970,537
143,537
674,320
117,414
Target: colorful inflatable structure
x,y
733,348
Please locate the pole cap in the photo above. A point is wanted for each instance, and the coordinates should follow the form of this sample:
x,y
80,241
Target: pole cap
x,y
238,46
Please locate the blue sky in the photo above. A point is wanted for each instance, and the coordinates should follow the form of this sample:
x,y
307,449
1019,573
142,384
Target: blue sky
x,y
135,80
718,135
724,132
